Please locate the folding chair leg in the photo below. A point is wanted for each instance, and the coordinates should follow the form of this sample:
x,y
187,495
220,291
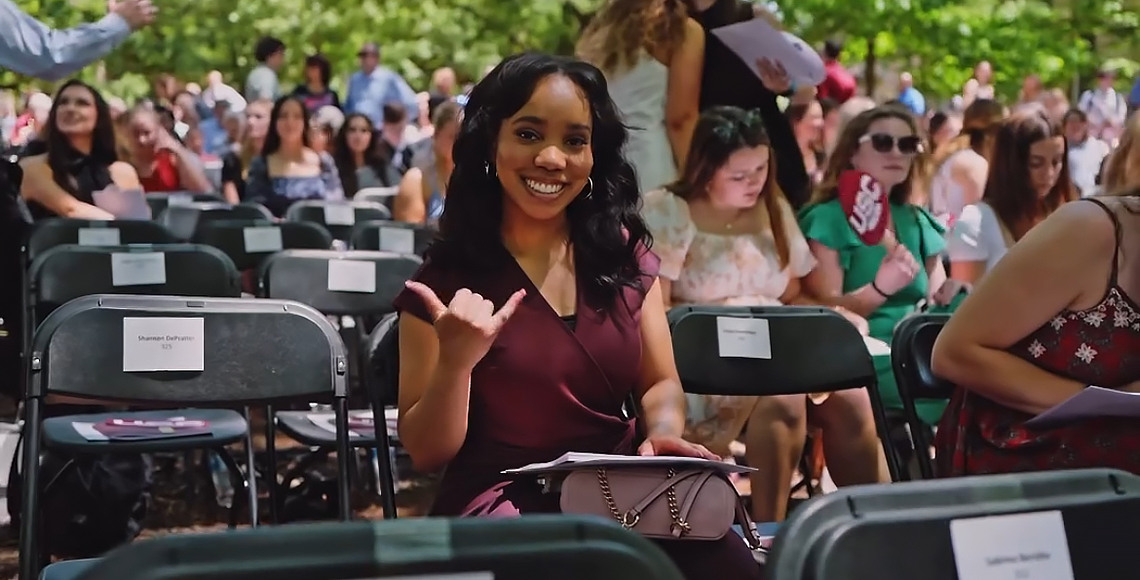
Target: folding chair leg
x,y
251,470
385,457
237,480
343,453
271,467
30,562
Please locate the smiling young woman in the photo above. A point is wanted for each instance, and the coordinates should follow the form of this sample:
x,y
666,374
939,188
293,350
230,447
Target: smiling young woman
x,y
80,158
540,237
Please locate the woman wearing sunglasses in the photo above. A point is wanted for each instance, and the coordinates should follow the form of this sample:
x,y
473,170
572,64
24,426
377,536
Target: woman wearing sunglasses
x,y
886,281
1028,180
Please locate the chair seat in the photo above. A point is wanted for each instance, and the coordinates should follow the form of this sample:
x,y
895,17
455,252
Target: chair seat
x,y
67,570
300,426
226,427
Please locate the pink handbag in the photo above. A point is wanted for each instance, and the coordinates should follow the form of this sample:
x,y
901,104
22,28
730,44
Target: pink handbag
x,y
660,502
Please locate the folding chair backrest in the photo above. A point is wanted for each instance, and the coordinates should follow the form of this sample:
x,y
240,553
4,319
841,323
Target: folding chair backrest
x,y
65,273
551,547
383,348
158,202
793,349
904,530
355,282
185,220
911,347
391,236
187,351
248,242
50,233
336,216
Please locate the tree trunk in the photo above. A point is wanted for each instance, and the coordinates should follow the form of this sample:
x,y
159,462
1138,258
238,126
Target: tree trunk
x,y
869,65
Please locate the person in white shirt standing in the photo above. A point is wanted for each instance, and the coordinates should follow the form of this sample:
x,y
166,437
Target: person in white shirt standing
x,y
1106,108
1086,153
262,83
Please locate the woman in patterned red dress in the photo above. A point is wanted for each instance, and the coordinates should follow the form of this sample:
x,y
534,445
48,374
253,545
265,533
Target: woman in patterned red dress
x,y
537,313
1056,315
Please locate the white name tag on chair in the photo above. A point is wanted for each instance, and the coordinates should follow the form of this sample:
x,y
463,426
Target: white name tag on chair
x,y
99,237
340,215
1030,546
179,199
743,337
163,344
398,240
138,268
352,276
262,239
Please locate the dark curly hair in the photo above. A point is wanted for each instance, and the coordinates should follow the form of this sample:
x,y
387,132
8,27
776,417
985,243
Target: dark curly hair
x,y
605,227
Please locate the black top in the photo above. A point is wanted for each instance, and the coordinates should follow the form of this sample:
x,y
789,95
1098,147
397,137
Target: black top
x,y
728,81
85,176
232,172
571,320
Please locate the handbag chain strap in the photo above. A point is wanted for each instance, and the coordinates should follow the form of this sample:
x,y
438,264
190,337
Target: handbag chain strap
x,y
630,518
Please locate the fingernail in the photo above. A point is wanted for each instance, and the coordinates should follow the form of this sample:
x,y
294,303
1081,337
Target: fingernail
x,y
407,283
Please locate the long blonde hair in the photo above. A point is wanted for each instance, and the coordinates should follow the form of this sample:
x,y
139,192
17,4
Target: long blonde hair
x,y
622,28
1122,169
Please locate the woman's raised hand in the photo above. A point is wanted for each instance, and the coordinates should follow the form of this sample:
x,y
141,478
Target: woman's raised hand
x,y
467,326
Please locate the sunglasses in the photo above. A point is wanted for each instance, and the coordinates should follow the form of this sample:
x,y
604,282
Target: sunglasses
x,y
884,143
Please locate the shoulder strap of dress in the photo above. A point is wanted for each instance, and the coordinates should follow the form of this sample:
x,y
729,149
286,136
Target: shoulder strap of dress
x,y
1117,233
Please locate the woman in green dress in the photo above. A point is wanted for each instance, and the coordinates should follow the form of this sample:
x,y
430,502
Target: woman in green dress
x,y
883,282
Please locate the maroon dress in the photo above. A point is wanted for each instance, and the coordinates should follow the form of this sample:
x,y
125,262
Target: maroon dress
x,y
1097,346
547,387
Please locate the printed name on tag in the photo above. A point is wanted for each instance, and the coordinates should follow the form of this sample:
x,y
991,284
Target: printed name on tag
x,y
138,268
398,240
262,239
1029,546
99,237
340,215
743,337
179,199
163,344
352,276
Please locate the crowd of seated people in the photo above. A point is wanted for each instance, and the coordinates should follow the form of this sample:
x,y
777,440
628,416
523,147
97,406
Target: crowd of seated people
x,y
545,231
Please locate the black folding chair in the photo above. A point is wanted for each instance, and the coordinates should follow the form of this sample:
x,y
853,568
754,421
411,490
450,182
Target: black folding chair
x,y
47,234
250,241
917,529
158,202
809,350
358,284
390,236
552,547
911,347
111,347
184,220
337,217
383,385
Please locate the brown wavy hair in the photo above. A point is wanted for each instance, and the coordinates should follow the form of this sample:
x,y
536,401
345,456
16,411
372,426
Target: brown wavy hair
x,y
848,143
980,122
1122,168
1008,190
720,132
621,28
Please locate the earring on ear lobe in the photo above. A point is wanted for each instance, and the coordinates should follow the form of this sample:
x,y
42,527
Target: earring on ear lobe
x,y
590,187
490,170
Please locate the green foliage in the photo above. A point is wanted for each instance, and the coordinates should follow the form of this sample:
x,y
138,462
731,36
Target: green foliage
x,y
192,37
937,40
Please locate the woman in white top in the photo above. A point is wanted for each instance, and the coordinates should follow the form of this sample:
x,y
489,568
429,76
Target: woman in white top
x,y
652,54
959,167
1028,180
726,235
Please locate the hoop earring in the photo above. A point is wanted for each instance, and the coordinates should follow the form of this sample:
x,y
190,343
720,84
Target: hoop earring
x,y
590,185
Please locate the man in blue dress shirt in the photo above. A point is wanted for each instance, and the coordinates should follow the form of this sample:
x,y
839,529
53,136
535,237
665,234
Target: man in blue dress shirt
x,y
374,86
31,48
